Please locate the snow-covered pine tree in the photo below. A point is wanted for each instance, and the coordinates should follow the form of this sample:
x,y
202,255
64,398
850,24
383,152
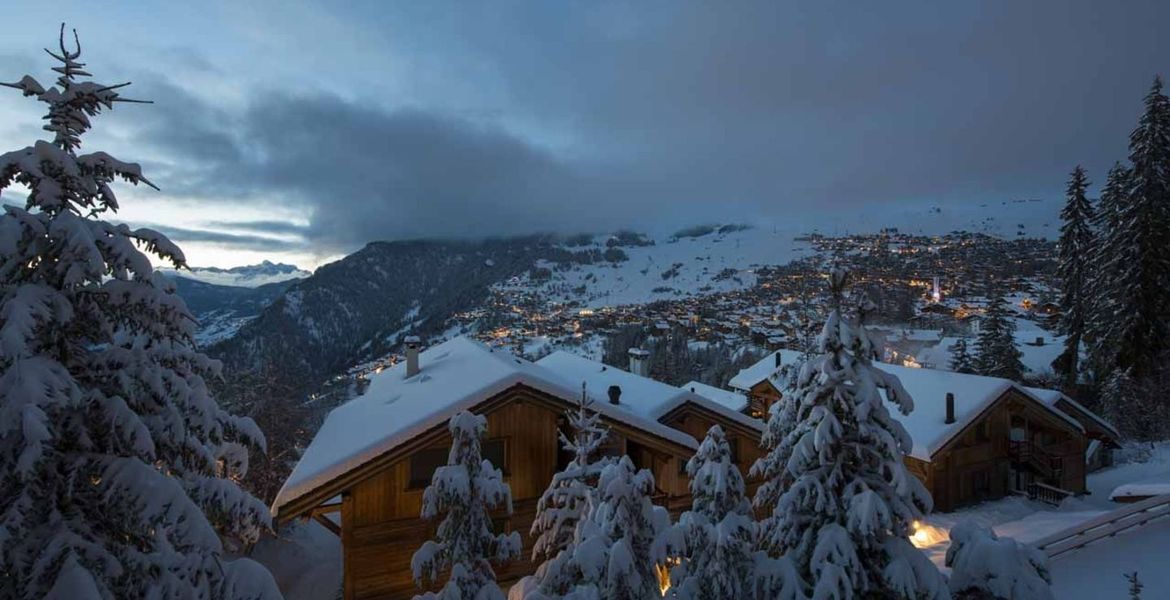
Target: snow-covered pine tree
x,y
118,470
838,498
614,552
995,347
1142,269
1120,400
1103,294
987,567
961,359
465,490
715,540
563,504
1075,255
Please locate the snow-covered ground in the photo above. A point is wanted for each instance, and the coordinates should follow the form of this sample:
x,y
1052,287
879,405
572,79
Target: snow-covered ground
x,y
305,560
1095,571
670,268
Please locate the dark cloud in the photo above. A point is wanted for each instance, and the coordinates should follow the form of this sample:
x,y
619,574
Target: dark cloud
x,y
225,239
269,227
605,114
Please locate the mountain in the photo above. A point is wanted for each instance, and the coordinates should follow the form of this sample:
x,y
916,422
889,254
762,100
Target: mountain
x,y
222,309
247,276
358,307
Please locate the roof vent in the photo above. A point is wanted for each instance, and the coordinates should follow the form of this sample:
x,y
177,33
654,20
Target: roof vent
x,y
950,408
615,394
777,355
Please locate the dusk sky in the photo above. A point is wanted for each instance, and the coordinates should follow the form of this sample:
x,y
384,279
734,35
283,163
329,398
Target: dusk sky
x,y
299,131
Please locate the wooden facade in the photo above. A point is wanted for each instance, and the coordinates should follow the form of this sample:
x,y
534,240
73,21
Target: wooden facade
x,y
380,527
761,397
1015,445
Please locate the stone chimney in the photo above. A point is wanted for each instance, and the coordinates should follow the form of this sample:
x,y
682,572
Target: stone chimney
x,y
639,361
412,344
950,408
615,394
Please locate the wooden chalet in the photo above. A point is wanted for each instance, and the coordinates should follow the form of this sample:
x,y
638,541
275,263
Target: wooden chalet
x,y
364,474
760,383
980,438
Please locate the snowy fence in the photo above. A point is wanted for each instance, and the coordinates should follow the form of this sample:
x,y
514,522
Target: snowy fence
x,y
1106,525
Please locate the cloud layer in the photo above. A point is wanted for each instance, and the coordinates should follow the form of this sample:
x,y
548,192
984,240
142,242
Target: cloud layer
x,y
433,119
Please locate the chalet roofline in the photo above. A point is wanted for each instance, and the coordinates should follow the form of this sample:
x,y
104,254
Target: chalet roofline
x,y
304,503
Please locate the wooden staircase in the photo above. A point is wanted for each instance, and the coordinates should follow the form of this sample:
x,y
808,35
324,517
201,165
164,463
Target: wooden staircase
x,y
1109,524
1036,458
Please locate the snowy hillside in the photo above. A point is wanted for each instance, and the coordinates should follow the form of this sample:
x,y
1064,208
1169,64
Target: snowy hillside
x,y
676,266
247,276
669,268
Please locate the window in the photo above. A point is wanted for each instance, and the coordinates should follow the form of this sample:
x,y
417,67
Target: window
x,y
424,462
682,465
496,451
733,444
983,431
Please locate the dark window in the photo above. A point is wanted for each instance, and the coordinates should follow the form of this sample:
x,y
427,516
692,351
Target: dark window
x,y
423,464
733,444
682,465
496,451
982,483
983,431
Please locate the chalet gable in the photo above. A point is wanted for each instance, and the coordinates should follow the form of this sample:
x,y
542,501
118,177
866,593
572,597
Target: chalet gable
x,y
398,412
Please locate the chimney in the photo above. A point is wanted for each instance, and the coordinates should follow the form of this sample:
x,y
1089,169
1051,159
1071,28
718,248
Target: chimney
x,y
950,408
615,394
412,343
1039,340
638,361
777,355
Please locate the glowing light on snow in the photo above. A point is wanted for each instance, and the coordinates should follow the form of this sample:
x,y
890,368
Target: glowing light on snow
x,y
926,535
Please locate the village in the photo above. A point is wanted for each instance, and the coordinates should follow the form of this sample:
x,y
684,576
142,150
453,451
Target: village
x,y
931,291
1019,454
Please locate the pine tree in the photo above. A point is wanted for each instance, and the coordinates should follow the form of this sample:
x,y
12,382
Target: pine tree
x,y
715,539
1135,586
1104,298
614,553
118,470
961,360
1076,247
987,567
466,490
995,347
1142,268
563,504
838,498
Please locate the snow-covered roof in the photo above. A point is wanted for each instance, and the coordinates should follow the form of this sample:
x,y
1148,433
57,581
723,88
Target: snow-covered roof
x,y
1050,397
456,375
734,400
927,424
765,368
642,396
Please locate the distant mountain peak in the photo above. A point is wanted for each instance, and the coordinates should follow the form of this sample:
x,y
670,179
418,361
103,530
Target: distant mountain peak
x,y
243,276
